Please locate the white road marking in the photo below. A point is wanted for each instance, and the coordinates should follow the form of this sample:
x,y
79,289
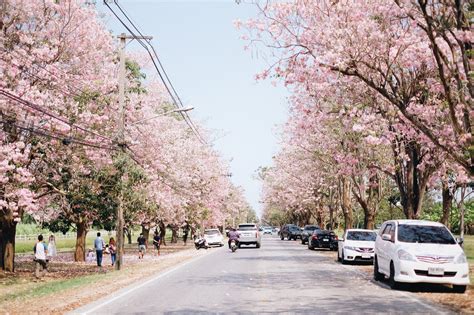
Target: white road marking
x,y
134,288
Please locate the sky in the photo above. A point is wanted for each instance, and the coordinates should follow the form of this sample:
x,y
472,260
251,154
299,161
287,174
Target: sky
x,y
205,59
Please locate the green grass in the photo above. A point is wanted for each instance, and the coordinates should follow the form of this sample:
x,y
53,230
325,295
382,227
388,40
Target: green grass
x,y
469,247
50,288
69,244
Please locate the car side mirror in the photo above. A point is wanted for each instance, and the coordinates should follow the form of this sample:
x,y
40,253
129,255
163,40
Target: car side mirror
x,y
459,240
387,237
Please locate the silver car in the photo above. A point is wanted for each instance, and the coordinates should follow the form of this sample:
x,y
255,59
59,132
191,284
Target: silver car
x,y
249,234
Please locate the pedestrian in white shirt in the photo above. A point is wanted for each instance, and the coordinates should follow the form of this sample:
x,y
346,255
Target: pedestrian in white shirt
x,y
41,250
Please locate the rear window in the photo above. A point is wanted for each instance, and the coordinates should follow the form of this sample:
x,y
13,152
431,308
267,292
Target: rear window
x,y
311,228
424,234
294,228
211,232
247,227
361,236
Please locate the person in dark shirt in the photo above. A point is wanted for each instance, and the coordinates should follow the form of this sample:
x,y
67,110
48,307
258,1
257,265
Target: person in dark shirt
x,y
157,242
142,246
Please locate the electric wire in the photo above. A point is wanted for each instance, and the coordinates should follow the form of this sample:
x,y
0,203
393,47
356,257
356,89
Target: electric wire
x,y
161,66
48,113
58,136
162,78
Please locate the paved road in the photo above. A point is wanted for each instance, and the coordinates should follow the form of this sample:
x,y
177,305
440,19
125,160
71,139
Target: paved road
x,y
280,277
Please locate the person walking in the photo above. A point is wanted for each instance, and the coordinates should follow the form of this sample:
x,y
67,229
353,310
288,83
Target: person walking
x,y
41,250
99,249
52,246
112,250
185,233
157,242
142,246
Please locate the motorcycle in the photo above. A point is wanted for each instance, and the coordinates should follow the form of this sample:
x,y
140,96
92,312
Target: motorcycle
x,y
200,243
233,245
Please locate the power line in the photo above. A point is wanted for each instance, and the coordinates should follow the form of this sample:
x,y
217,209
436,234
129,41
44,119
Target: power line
x,y
58,136
184,115
46,112
173,96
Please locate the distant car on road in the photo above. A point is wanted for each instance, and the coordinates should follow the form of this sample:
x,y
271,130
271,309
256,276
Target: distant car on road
x,y
357,245
249,234
323,239
267,230
307,231
290,232
419,251
214,237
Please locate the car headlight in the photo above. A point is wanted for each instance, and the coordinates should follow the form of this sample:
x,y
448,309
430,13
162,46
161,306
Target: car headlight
x,y
349,247
461,259
404,255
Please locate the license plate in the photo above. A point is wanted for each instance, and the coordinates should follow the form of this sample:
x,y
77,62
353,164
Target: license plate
x,y
366,256
325,239
436,271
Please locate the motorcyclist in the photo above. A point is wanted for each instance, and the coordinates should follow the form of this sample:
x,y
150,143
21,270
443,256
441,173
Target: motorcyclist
x,y
233,236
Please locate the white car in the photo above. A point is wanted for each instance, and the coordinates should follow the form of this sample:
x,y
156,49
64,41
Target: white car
x,y
267,230
356,245
413,251
249,234
214,237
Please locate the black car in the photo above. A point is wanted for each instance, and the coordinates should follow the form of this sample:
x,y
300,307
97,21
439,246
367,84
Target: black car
x,y
323,239
307,231
290,232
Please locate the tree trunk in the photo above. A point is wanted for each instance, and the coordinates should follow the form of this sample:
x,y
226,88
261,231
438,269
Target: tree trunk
x,y
346,205
128,232
7,244
447,203
80,252
411,181
174,235
146,231
162,233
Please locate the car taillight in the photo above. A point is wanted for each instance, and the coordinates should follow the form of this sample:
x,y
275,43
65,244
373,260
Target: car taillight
x,y
336,238
315,237
256,234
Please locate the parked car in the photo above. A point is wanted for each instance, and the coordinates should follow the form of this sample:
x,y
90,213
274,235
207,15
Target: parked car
x,y
249,234
357,245
267,230
323,239
290,232
307,231
214,237
413,251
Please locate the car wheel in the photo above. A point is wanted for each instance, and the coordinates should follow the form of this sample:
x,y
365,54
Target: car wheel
x,y
303,242
343,261
394,285
309,246
239,245
459,288
258,245
338,257
377,275
281,237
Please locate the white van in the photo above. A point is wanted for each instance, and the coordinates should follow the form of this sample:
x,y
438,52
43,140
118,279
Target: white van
x,y
413,251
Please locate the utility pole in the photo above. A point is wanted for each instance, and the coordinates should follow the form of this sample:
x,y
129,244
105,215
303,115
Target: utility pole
x,y
121,142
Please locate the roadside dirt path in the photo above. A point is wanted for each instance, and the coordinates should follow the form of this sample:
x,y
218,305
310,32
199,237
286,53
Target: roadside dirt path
x,y
21,286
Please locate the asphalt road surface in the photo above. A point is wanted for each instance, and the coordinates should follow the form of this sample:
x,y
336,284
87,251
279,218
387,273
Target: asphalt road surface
x,y
280,277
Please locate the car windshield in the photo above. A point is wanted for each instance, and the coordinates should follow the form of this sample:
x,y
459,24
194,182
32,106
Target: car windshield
x,y
361,236
424,234
294,228
247,227
311,228
211,232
